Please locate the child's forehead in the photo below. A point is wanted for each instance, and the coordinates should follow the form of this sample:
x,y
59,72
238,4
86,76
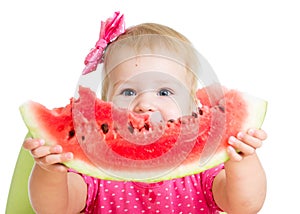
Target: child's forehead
x,y
150,65
121,51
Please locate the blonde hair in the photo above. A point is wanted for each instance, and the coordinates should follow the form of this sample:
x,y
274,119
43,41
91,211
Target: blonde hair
x,y
151,38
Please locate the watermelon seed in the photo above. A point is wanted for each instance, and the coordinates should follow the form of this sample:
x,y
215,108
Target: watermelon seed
x,y
146,126
195,115
82,138
222,109
71,133
105,128
200,111
130,128
171,121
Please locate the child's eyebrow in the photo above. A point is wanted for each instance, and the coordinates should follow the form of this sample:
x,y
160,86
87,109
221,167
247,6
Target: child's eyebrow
x,y
117,84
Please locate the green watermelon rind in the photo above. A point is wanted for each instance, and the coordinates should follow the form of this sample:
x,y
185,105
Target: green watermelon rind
x,y
31,124
256,107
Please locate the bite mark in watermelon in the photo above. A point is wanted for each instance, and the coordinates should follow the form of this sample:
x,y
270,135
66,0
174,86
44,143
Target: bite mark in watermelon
x,y
116,144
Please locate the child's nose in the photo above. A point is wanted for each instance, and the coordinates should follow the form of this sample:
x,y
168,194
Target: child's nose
x,y
144,103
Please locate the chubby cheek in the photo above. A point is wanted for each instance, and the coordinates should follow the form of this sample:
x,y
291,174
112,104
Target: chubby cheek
x,y
174,110
170,111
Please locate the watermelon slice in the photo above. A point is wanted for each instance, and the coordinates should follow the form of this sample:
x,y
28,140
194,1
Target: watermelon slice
x,y
116,144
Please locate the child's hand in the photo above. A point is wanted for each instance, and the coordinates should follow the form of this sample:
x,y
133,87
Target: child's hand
x,y
245,143
47,157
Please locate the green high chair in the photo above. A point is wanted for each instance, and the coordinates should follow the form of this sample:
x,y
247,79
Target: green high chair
x,y
18,200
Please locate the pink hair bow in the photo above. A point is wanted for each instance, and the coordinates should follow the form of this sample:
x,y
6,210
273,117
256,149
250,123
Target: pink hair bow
x,y
109,31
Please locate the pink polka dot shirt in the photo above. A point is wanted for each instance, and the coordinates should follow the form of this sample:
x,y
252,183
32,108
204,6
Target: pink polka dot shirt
x,y
191,194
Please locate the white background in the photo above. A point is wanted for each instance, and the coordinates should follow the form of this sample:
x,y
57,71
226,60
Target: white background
x,y
253,46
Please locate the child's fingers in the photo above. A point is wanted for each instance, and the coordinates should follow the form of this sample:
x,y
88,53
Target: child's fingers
x,y
30,143
42,151
258,133
55,158
250,140
233,155
241,146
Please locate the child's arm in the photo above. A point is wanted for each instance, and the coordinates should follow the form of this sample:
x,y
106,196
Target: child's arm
x,y
241,187
52,189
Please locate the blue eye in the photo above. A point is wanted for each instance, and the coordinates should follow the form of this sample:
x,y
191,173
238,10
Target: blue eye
x,y
128,92
164,92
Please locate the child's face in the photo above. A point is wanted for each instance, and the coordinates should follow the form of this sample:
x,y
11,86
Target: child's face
x,y
151,84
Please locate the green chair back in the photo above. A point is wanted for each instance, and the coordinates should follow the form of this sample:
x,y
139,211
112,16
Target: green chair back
x,y
18,200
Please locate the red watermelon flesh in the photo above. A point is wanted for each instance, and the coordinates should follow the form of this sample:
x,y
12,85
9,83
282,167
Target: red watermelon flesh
x,y
116,144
